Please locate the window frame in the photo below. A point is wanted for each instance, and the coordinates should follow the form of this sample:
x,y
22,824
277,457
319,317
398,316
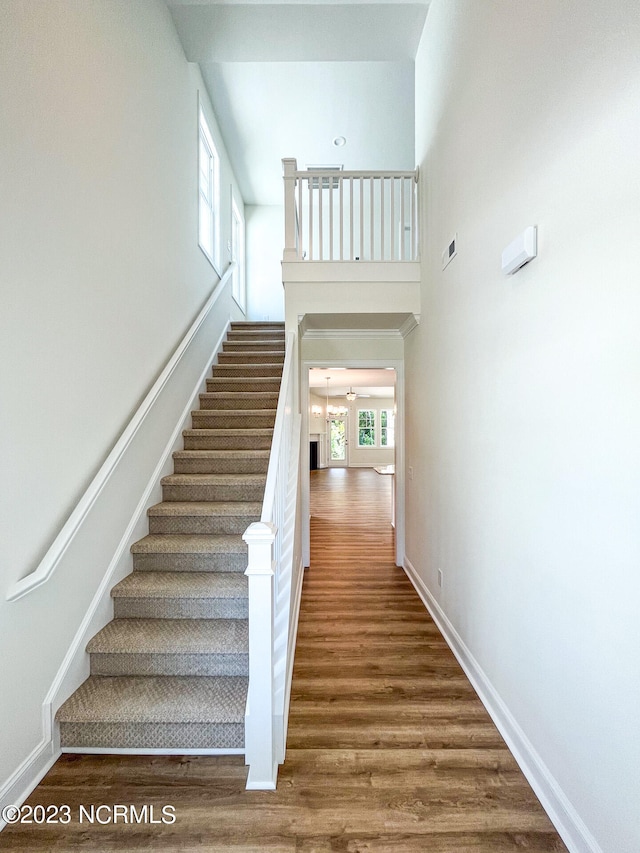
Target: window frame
x,y
238,284
389,427
208,193
369,427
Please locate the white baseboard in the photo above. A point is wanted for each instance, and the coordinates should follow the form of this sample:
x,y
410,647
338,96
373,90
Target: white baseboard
x,y
29,774
562,814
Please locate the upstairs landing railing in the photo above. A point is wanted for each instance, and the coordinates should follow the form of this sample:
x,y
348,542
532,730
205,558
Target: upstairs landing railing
x,y
332,215
270,570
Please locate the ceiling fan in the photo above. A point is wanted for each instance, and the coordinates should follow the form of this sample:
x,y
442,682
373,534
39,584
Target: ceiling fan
x,y
351,395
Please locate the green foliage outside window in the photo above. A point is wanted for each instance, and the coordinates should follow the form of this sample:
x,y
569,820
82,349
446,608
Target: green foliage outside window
x,y
387,428
366,428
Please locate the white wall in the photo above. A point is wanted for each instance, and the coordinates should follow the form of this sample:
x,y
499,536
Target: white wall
x,y
523,409
265,244
101,275
368,457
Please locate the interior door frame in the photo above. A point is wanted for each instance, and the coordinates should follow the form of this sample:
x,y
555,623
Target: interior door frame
x,y
399,477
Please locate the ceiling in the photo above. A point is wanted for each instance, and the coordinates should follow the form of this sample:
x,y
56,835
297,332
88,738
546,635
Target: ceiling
x,y
373,382
286,78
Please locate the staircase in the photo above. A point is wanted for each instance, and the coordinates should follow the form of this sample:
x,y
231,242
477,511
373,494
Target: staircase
x,y
170,671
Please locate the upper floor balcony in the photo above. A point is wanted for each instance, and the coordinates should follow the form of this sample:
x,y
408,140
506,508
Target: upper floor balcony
x,y
351,242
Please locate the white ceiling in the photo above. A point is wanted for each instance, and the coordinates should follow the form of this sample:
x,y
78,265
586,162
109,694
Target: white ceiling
x,y
374,382
286,78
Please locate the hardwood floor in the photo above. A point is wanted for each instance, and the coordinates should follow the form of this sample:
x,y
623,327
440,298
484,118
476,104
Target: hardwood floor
x,y
389,749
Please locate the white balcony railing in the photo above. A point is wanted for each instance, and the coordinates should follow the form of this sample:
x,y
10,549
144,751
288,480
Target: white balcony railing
x,y
333,215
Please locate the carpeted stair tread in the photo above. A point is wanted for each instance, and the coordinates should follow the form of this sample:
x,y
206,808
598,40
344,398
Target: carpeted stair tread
x,y
258,357
229,400
244,413
221,461
192,508
181,585
221,454
228,437
157,699
171,637
274,343
243,383
214,479
257,324
247,369
181,543
230,432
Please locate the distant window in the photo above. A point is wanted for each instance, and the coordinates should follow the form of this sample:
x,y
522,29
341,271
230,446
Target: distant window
x,y
387,428
366,428
209,192
237,254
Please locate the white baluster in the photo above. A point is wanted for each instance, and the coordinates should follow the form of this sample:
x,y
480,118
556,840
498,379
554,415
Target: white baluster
x,y
330,219
402,212
393,219
414,225
290,167
310,186
371,219
300,222
382,219
320,223
361,246
341,220
352,254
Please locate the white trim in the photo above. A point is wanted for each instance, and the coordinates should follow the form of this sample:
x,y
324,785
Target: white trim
x,y
412,321
561,812
293,635
355,334
29,774
50,561
99,750
388,272
75,668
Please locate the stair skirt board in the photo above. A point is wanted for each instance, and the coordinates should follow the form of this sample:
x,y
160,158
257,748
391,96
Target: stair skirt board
x,y
169,673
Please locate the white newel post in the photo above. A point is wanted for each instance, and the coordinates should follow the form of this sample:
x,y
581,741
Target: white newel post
x,y
260,747
290,167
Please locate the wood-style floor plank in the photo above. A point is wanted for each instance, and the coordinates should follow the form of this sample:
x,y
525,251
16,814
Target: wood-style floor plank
x,y
389,748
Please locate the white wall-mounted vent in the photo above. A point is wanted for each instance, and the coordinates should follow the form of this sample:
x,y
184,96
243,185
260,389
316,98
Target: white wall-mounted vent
x,y
523,249
327,181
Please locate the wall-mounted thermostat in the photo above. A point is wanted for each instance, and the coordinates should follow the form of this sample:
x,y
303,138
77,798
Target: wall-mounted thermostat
x,y
523,249
450,252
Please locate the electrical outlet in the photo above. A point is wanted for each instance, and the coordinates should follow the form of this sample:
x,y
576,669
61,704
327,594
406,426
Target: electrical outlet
x,y
440,578
410,471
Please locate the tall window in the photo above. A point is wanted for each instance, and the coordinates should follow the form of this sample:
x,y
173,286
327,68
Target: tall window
x,y
209,193
237,254
366,428
387,427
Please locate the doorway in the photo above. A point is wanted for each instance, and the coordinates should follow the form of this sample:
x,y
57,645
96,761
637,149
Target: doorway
x,y
337,437
354,413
